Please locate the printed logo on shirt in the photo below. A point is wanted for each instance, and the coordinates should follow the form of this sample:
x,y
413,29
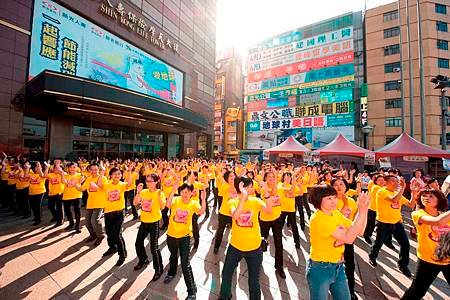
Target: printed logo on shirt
x,y
395,205
35,180
347,212
276,201
146,205
11,175
71,182
338,243
93,187
180,216
55,180
114,195
437,232
168,182
24,179
245,219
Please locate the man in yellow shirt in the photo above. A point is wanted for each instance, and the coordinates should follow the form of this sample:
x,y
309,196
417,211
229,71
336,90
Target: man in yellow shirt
x,y
389,220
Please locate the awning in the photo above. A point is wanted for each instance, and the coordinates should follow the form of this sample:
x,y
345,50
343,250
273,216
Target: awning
x,y
75,93
341,146
291,145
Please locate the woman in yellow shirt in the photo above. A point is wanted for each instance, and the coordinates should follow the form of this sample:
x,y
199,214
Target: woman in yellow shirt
x,y
432,221
288,191
152,201
55,192
329,231
129,193
71,195
378,183
199,192
37,190
245,238
179,233
22,192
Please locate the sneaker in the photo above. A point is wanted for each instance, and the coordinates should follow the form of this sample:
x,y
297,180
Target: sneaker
x,y
141,264
281,273
69,228
110,251
168,279
157,276
191,297
372,262
98,241
368,240
90,239
405,271
120,261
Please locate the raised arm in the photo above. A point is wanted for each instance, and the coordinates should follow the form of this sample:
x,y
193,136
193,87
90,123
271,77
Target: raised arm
x,y
137,198
442,219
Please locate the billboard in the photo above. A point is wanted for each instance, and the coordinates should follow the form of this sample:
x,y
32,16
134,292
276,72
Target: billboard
x,y
64,42
264,139
323,136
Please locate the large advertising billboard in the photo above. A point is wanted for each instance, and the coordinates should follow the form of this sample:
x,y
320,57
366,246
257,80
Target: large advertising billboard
x,y
64,42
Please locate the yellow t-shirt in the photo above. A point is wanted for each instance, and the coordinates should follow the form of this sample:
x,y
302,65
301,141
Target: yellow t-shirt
x,y
150,207
225,208
373,197
276,208
96,195
198,187
180,222
351,193
288,203
387,211
370,185
55,185
351,209
134,177
12,177
428,237
5,173
245,232
37,184
222,187
167,185
324,247
70,191
306,182
115,196
23,181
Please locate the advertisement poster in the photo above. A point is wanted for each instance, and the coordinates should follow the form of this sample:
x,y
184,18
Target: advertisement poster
x,y
64,42
323,136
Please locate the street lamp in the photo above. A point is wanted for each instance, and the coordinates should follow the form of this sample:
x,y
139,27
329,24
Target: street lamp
x,y
442,82
366,131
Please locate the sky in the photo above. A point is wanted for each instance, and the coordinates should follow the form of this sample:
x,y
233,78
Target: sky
x,y
241,23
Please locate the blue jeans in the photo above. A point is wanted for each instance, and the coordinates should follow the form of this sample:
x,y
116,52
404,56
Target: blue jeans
x,y
323,277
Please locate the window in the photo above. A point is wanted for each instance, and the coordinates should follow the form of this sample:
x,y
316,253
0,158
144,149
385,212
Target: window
x,y
441,9
34,127
393,122
392,49
391,85
391,32
392,67
391,15
441,26
393,103
443,45
80,146
448,138
390,138
443,63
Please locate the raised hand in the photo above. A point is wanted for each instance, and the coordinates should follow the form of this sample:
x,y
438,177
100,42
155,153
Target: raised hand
x,y
363,201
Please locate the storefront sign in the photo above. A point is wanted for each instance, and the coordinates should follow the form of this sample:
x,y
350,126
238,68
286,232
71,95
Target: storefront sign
x,y
363,111
294,123
64,42
136,24
336,96
446,164
369,158
341,119
415,158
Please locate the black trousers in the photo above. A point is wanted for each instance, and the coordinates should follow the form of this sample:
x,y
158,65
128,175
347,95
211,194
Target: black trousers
x,y
76,209
370,226
55,205
291,219
207,191
181,245
223,221
23,205
165,217
35,204
84,198
11,197
152,229
277,233
113,228
349,258
195,230
129,197
219,201
426,273
302,204
4,191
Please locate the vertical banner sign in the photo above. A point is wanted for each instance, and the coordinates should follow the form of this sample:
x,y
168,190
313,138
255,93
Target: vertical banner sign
x,y
64,42
363,111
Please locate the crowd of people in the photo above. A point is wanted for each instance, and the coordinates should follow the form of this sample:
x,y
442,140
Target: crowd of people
x,y
254,200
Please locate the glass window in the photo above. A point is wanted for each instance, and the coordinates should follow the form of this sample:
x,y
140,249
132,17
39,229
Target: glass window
x,y
391,32
128,134
443,63
391,15
126,148
393,122
94,146
138,148
80,146
112,147
392,67
441,26
393,103
391,85
448,138
34,144
441,9
34,127
443,45
392,49
390,138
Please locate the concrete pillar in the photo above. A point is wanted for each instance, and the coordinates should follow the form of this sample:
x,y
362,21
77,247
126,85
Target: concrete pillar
x,y
171,145
60,136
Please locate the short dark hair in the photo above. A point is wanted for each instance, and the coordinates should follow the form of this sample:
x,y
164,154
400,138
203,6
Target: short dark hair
x,y
318,192
442,203
286,174
377,176
246,180
341,179
184,186
431,180
389,177
92,165
113,170
227,174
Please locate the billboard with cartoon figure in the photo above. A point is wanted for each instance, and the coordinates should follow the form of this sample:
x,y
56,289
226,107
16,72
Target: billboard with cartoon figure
x,y
64,42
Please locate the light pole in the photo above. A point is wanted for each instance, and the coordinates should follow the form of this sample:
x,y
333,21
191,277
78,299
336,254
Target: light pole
x,y
366,131
442,83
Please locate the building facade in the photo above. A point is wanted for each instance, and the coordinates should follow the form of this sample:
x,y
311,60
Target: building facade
x,y
382,28
229,103
306,83
128,78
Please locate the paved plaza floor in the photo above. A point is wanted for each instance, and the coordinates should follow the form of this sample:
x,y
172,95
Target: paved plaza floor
x,y
48,263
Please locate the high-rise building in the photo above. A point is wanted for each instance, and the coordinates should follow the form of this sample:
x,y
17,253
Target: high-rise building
x,y
229,103
306,82
128,78
383,27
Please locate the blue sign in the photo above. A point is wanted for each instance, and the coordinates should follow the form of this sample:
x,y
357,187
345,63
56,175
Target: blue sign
x,y
336,96
64,42
274,103
340,120
331,72
253,126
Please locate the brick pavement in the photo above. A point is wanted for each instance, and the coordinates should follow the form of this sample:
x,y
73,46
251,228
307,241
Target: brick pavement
x,y
44,262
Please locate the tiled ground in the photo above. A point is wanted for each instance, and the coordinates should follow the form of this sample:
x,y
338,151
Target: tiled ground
x,y
43,262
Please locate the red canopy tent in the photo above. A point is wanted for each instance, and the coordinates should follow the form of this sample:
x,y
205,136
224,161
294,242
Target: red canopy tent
x,y
341,146
405,145
291,145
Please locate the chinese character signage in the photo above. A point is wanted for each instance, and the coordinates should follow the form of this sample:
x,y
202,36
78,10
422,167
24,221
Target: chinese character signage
x,y
64,42
363,111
